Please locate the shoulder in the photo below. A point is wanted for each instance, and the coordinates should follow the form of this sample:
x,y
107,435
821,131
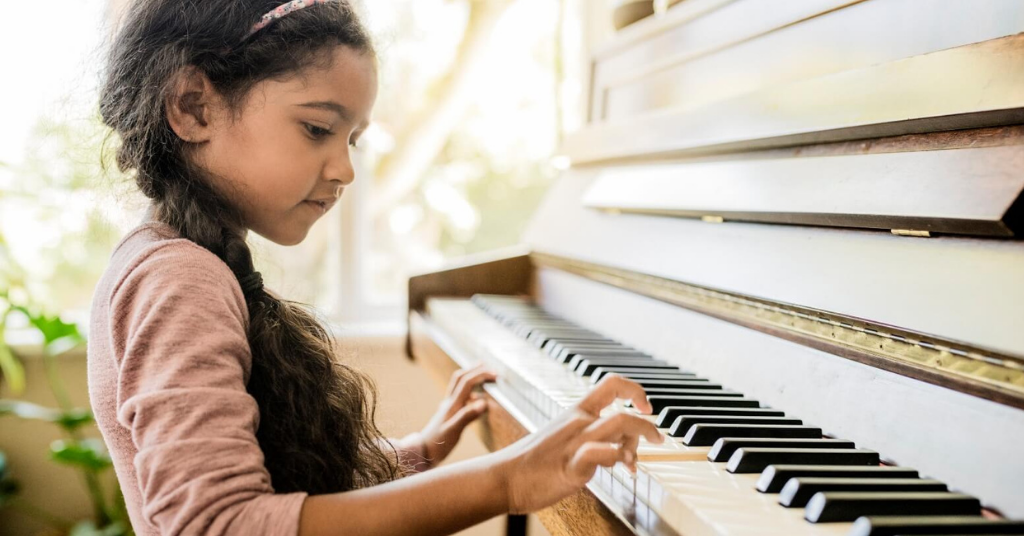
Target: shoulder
x,y
156,266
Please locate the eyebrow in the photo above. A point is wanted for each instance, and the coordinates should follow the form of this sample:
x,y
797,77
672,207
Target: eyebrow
x,y
330,106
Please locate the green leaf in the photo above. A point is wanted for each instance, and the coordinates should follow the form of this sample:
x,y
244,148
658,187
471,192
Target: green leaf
x,y
75,418
55,331
11,369
64,344
87,453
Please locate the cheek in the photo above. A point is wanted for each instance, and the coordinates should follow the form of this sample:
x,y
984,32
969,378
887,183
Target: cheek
x,y
276,165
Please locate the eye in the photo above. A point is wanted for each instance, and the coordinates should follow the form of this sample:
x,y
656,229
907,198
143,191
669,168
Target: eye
x,y
317,132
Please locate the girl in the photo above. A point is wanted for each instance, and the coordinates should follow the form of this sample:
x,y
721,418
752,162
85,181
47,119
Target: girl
x,y
223,405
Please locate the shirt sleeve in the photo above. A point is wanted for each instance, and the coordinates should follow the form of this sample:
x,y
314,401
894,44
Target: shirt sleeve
x,y
181,320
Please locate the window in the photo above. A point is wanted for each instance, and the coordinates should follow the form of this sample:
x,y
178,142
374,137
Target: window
x,y
473,98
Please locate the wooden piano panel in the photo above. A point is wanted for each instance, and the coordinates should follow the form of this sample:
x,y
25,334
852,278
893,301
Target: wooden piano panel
x,y
748,45
961,191
908,96
965,289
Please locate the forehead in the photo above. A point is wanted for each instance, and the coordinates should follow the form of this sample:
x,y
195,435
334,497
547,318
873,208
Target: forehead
x,y
349,79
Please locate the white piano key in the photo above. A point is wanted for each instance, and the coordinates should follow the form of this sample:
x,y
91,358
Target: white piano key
x,y
674,483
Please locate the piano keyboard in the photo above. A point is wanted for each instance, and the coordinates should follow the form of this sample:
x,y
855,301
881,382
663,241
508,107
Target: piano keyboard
x,y
729,465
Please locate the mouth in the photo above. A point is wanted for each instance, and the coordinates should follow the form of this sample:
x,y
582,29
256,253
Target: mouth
x,y
321,206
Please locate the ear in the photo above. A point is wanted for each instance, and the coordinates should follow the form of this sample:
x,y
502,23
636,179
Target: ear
x,y
190,105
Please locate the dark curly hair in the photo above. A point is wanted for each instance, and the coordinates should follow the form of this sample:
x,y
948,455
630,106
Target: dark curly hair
x,y
317,427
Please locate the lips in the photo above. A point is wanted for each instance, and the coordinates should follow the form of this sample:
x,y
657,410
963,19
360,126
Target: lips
x,y
322,205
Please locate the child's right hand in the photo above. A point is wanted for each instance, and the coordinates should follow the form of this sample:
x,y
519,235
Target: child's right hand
x,y
558,460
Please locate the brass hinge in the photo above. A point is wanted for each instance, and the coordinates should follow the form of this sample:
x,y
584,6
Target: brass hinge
x,y
911,232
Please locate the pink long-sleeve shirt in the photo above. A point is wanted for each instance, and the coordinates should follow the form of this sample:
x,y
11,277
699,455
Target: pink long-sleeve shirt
x,y
168,365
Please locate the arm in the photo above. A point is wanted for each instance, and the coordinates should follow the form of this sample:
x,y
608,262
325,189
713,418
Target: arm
x,y
178,323
412,452
441,501
461,406
535,472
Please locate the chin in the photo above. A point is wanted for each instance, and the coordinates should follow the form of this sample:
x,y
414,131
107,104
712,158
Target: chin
x,y
285,237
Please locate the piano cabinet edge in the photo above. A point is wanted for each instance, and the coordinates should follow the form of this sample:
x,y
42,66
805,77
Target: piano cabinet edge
x,y
499,273
580,514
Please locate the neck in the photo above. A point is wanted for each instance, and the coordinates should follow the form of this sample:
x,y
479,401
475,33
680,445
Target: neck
x,y
152,214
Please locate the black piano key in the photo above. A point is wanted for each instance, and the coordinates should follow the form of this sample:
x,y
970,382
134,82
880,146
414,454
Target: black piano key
x,y
558,350
705,435
567,355
670,391
557,344
572,359
604,370
615,360
588,366
668,415
724,448
676,384
660,402
755,459
539,339
683,424
537,322
947,525
775,477
798,491
524,329
539,336
601,372
691,392
828,506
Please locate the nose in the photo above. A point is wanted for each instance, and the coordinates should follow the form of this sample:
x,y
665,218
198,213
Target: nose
x,y
339,169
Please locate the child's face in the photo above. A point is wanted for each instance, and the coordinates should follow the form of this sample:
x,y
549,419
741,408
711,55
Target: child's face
x,y
285,159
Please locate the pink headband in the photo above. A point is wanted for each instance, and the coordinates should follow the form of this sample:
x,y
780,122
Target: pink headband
x,y
281,11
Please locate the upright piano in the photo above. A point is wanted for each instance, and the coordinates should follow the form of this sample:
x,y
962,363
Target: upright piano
x,y
798,225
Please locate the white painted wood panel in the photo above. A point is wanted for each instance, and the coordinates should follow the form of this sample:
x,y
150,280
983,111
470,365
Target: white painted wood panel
x,y
971,443
971,290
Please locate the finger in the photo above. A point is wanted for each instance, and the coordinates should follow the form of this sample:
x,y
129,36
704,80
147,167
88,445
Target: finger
x,y
619,428
628,448
466,415
457,376
611,388
468,382
592,455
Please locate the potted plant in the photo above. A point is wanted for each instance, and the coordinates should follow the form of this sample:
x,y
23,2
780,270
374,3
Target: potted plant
x,y
87,455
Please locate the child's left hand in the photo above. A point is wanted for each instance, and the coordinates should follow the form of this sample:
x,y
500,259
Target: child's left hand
x,y
460,407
